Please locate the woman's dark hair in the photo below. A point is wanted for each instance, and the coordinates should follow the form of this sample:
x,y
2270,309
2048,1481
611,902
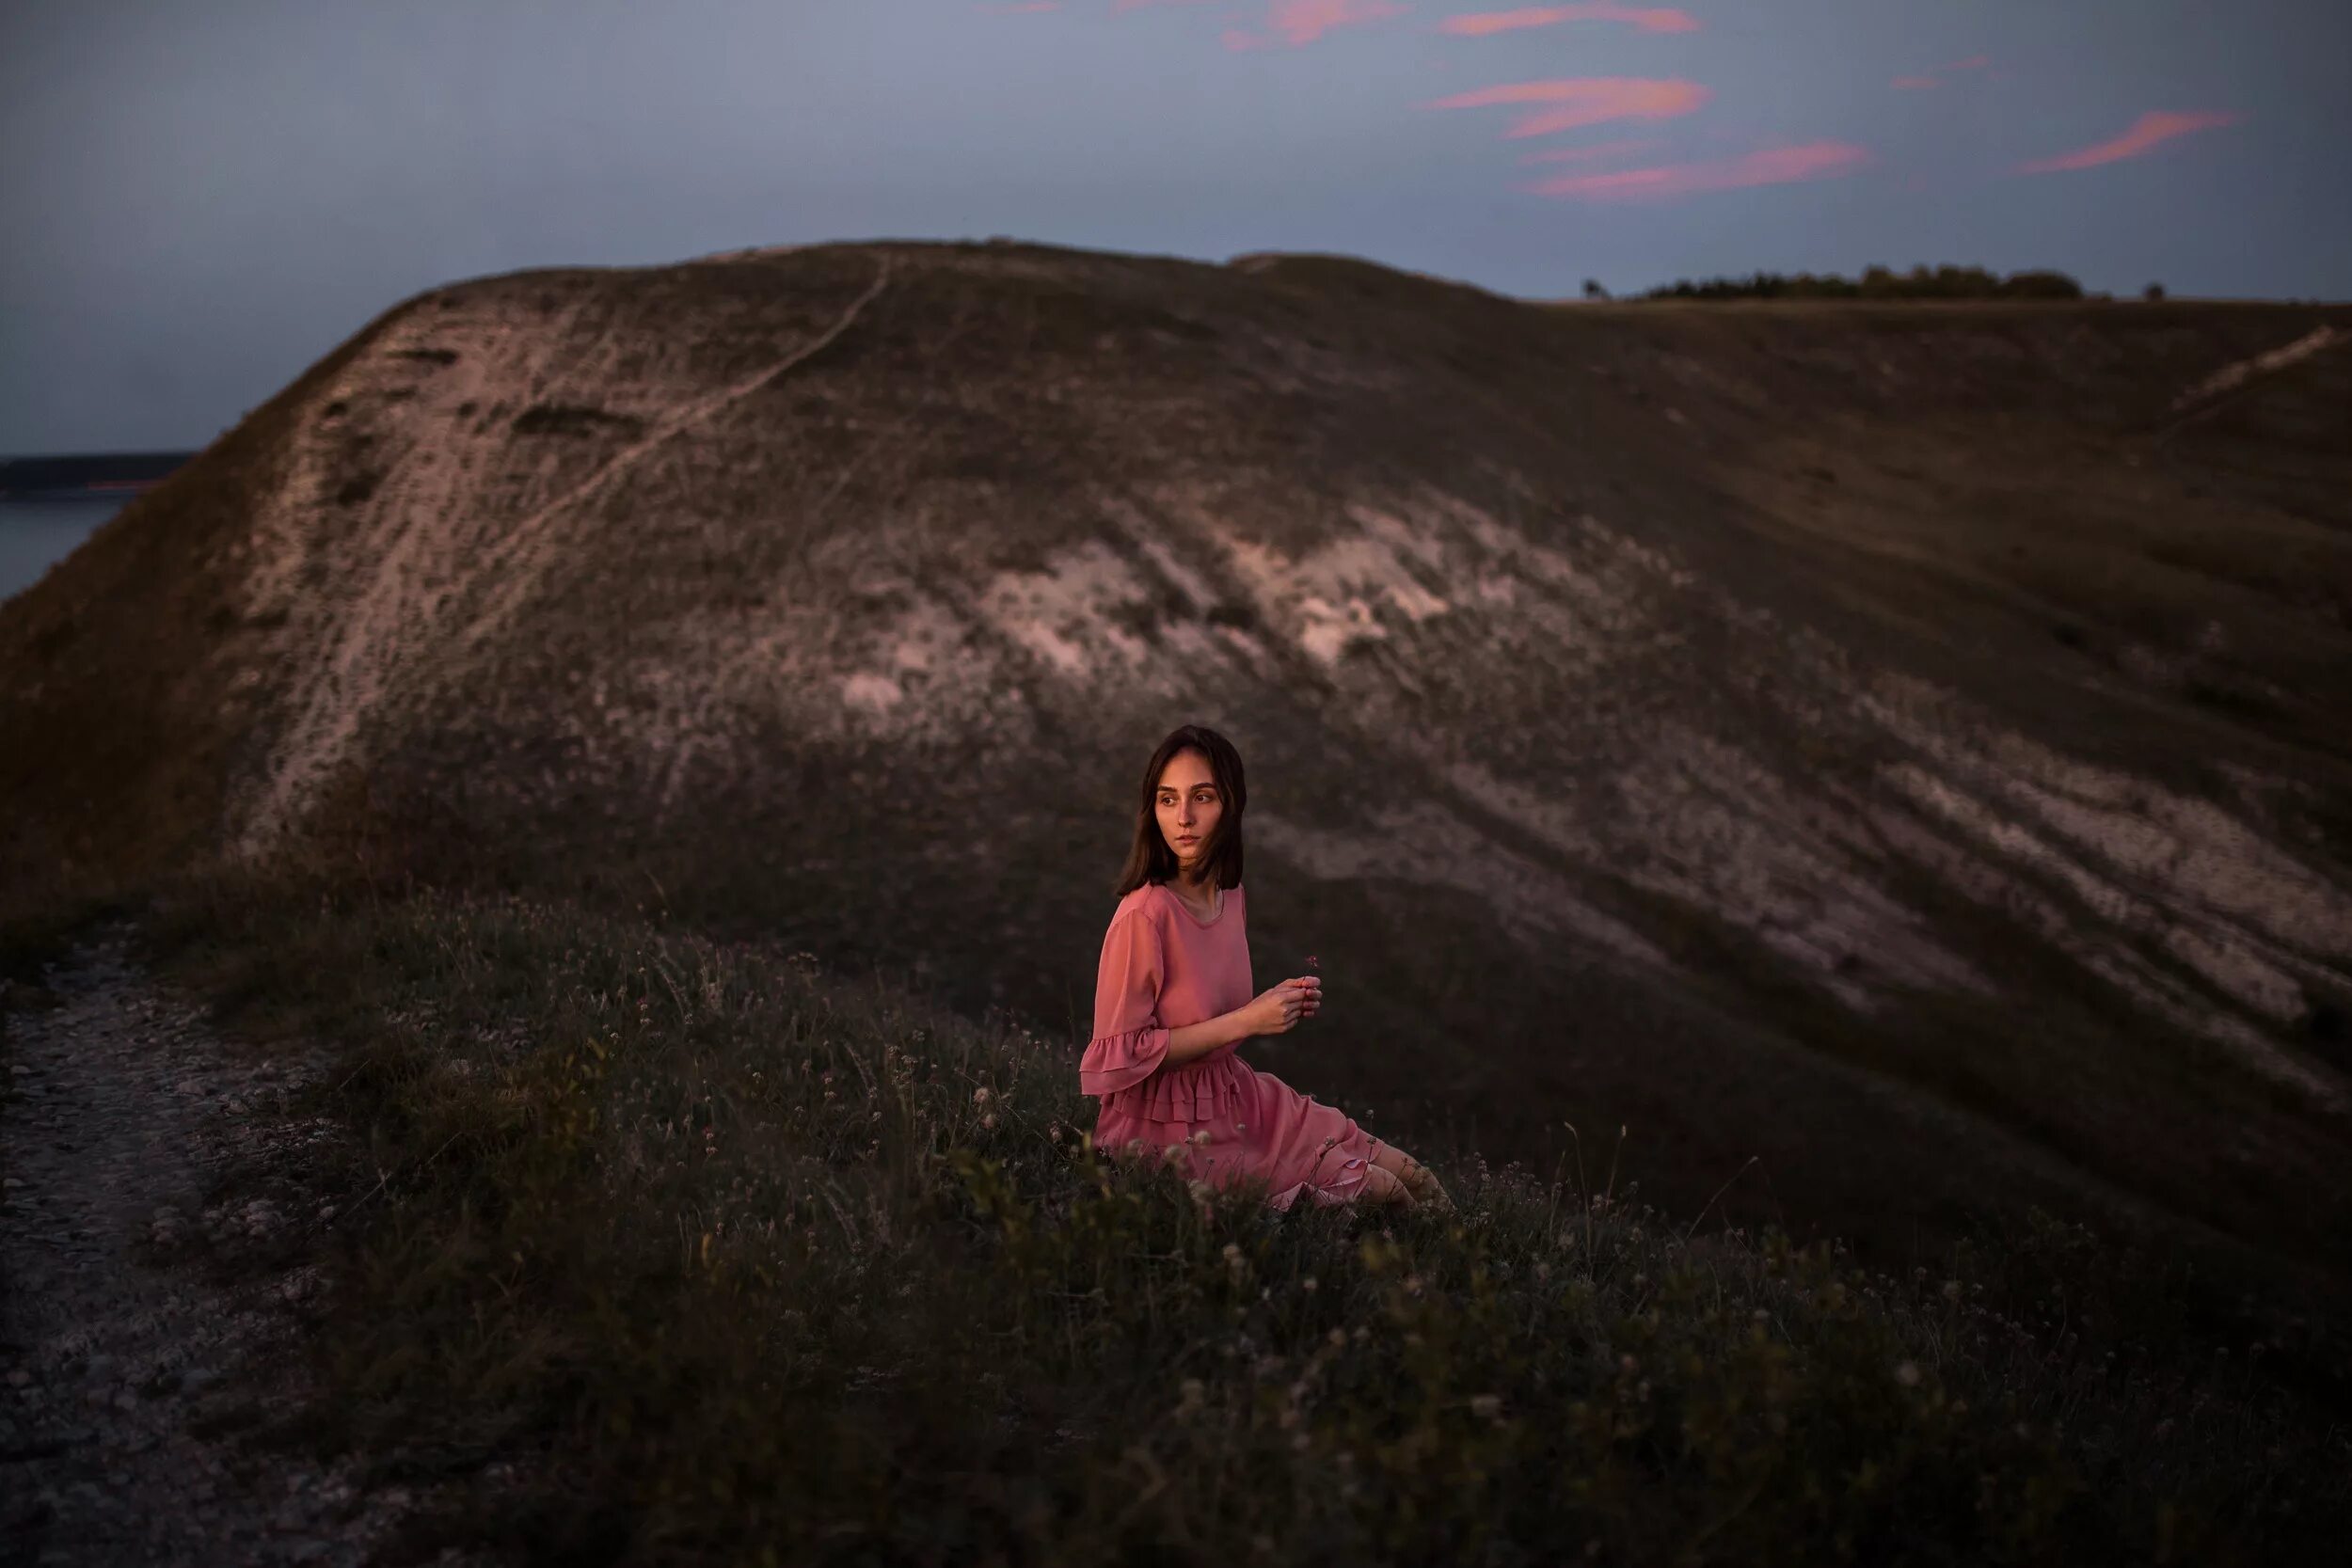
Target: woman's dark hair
x,y
1149,858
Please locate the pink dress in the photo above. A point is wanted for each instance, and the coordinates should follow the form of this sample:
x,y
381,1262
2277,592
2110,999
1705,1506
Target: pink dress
x,y
1163,967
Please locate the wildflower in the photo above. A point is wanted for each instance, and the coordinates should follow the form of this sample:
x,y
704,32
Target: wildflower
x,y
1951,1290
1135,1146
1173,1153
1054,1132
981,1095
1201,1136
1907,1373
1338,1337
989,1121
1487,1407
1308,1285
1200,1191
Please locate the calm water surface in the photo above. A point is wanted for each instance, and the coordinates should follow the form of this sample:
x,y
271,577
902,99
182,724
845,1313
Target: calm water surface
x,y
34,535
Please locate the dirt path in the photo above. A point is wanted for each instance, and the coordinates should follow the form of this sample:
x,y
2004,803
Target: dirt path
x,y
150,1334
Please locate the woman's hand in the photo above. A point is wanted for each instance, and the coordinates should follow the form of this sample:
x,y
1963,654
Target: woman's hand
x,y
1275,1009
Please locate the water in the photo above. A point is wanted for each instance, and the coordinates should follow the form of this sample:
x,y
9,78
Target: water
x,y
34,535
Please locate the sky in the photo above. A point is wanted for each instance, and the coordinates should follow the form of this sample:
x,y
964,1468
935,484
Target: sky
x,y
198,201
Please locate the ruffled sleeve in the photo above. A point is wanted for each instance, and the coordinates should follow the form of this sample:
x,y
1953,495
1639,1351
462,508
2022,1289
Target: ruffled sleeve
x,y
1129,1041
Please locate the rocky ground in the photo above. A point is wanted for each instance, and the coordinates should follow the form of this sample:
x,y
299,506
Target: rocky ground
x,y
155,1286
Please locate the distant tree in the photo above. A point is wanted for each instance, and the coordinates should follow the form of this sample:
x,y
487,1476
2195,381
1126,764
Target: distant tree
x,y
1592,289
2153,292
1879,282
2041,285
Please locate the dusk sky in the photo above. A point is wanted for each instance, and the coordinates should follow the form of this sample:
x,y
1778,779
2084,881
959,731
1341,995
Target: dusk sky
x,y
201,201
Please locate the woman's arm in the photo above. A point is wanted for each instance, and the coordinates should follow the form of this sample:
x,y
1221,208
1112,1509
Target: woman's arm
x,y
1129,1040
1198,1039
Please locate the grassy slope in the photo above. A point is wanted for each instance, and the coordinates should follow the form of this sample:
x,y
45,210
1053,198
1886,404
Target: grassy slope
x,y
736,1257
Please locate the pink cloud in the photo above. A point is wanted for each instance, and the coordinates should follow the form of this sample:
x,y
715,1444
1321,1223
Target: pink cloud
x,y
1649,19
2147,132
1915,81
1598,152
1299,21
1585,100
1778,165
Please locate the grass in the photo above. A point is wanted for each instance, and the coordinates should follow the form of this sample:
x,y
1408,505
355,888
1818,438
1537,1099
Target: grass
x,y
734,1261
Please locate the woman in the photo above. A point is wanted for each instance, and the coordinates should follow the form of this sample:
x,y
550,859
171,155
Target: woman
x,y
1172,1005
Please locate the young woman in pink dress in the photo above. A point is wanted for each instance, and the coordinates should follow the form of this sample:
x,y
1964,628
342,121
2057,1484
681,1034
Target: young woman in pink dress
x,y
1173,1001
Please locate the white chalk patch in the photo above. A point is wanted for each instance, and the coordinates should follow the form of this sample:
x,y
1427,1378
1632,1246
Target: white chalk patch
x,y
876,693
2253,975
1329,628
1063,613
2232,376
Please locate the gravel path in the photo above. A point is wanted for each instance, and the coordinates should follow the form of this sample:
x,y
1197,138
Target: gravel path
x,y
148,1339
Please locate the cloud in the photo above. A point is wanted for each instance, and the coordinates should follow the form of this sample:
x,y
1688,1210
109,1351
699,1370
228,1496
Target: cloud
x,y
1915,81
1598,152
2148,131
1776,166
1586,101
1649,19
1298,21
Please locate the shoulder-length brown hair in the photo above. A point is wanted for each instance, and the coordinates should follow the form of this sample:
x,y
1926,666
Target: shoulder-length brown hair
x,y
1149,857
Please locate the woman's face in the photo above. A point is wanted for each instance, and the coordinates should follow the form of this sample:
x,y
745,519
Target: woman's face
x,y
1188,807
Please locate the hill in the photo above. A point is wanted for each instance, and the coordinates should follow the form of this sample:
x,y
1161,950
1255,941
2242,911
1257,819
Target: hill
x,y
1904,743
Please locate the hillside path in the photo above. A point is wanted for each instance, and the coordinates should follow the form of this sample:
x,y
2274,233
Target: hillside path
x,y
143,1333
